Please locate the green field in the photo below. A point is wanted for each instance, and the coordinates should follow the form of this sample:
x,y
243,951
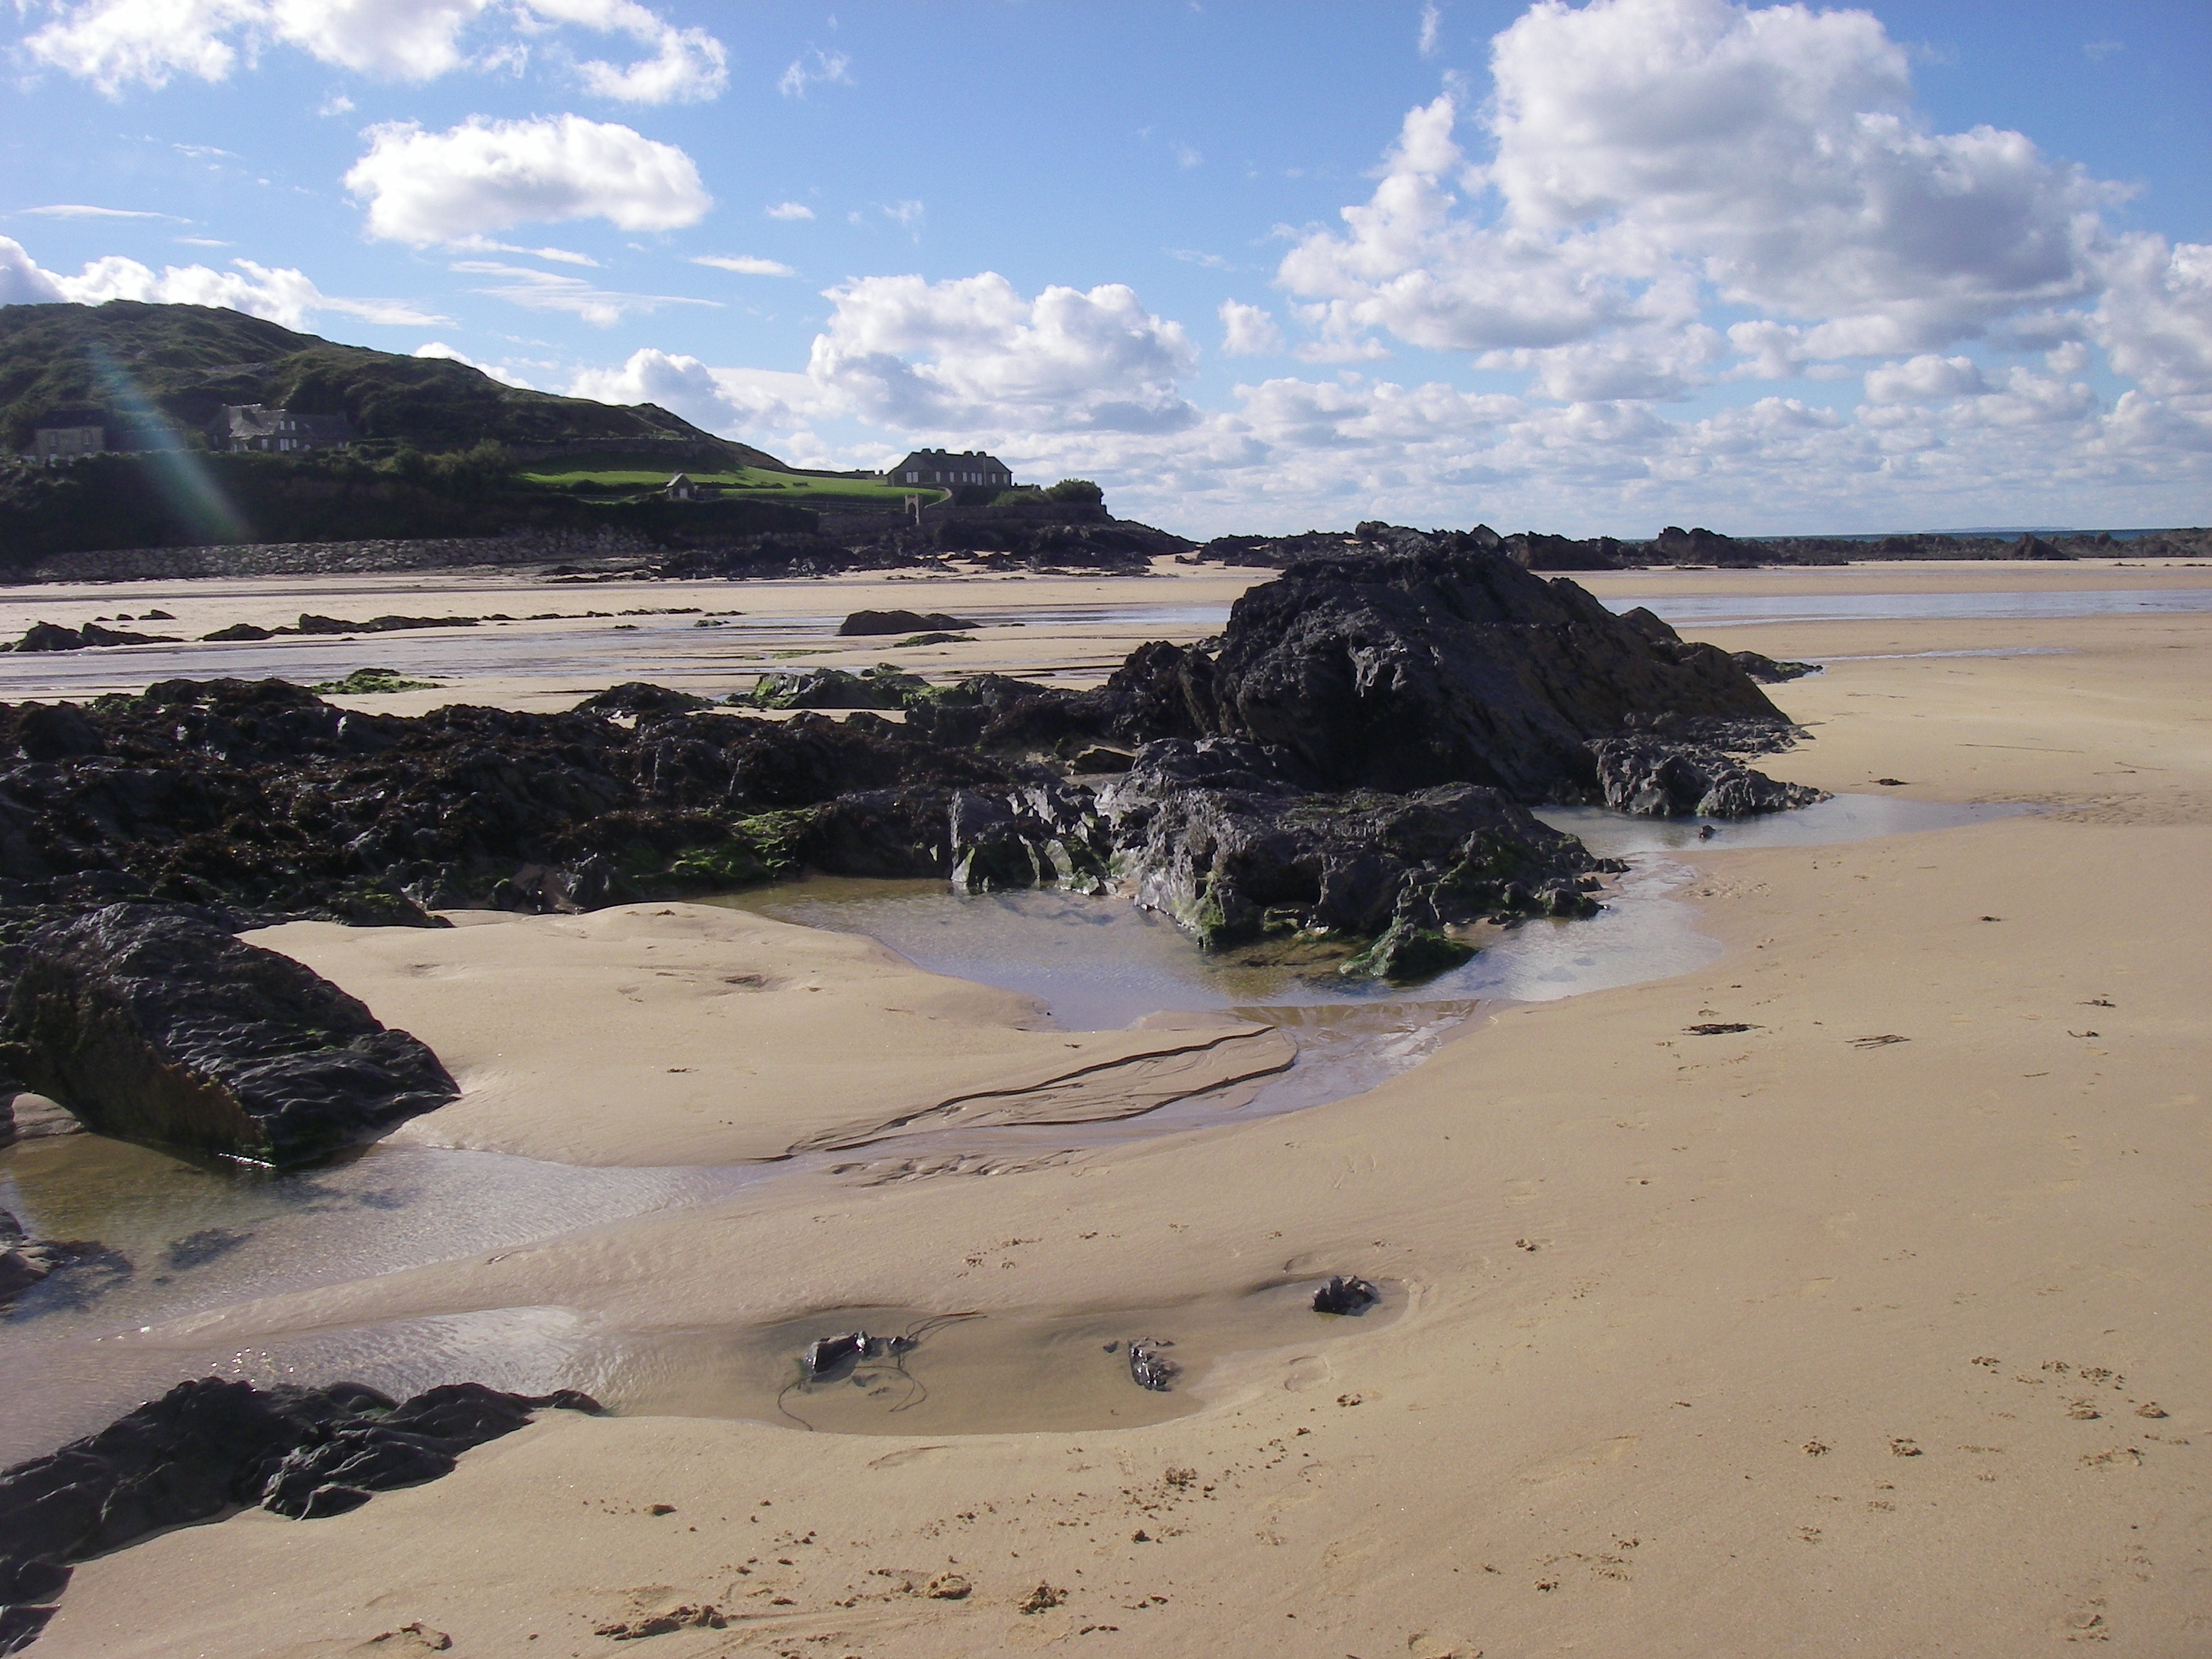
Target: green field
x,y
621,472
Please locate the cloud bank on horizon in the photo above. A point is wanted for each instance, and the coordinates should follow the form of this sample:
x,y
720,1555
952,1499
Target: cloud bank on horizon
x,y
1682,259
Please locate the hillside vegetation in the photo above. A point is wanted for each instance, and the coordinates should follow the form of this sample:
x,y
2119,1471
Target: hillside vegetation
x,y
185,362
194,499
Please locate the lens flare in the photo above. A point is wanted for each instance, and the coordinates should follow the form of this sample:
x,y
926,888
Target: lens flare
x,y
186,484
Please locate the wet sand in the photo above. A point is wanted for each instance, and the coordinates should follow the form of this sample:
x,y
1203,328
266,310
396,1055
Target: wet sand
x,y
657,1034
1875,1326
1072,630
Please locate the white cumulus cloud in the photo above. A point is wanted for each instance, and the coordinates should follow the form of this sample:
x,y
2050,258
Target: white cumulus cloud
x,y
2156,318
790,210
1249,330
281,294
925,357
734,402
422,187
119,43
1925,379
1770,159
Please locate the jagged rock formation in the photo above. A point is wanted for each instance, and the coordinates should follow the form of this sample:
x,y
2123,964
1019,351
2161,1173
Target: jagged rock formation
x,y
1656,776
153,1023
209,1446
1224,837
1444,666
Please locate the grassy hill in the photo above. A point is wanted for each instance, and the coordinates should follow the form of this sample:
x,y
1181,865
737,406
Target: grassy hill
x,y
614,474
185,362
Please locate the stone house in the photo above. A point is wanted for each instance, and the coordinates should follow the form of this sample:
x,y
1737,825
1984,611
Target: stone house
x,y
939,469
243,427
68,436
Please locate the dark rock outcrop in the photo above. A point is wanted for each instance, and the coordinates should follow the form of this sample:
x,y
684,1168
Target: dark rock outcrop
x,y
311,624
901,621
1771,670
1441,667
1658,776
636,698
261,797
834,688
1220,836
153,1023
51,636
208,1448
1045,832
1422,663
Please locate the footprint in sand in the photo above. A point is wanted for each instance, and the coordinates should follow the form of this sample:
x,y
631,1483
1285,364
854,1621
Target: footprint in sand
x,y
1307,1372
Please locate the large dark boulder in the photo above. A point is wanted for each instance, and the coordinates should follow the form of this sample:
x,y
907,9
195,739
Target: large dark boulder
x,y
209,1447
1446,666
154,1024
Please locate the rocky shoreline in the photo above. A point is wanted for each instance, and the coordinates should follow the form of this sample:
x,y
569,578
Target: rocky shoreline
x,y
1449,667
1041,537
1343,774
1346,771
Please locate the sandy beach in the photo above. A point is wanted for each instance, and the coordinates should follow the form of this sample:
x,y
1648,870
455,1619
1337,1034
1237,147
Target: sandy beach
x,y
1870,1322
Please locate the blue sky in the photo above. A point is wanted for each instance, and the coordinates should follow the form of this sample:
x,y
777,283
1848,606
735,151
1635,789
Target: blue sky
x,y
1603,267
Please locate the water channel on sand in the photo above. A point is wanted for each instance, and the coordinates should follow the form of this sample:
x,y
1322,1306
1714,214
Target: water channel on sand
x,y
186,1236
737,648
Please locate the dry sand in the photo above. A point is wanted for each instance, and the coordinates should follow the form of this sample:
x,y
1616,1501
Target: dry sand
x,y
1876,1327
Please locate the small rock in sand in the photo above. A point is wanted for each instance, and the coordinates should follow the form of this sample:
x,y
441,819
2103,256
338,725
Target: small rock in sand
x,y
1151,1368
1345,1296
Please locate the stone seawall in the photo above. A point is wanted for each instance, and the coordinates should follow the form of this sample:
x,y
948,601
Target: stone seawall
x,y
327,558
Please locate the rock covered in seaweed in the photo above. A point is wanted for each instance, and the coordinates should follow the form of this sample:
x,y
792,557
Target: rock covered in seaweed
x,y
154,1023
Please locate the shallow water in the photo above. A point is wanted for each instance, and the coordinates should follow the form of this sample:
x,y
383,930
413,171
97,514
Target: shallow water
x,y
1734,610
592,653
731,655
982,1374
184,1235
